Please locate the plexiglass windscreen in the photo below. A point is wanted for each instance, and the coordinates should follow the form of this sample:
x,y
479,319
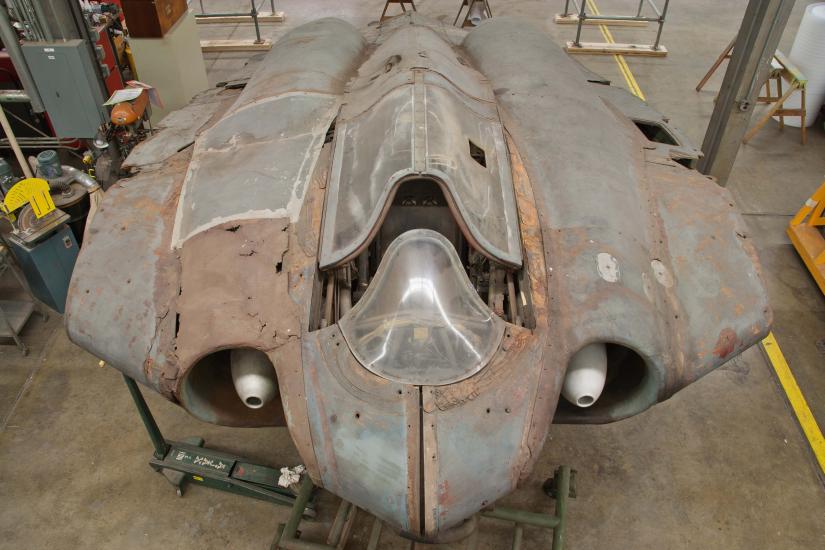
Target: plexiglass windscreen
x,y
423,113
421,321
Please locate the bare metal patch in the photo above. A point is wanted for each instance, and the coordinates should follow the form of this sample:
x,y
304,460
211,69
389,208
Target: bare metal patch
x,y
608,267
662,273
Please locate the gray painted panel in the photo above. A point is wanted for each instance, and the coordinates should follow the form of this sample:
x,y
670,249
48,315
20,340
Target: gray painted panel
x,y
68,86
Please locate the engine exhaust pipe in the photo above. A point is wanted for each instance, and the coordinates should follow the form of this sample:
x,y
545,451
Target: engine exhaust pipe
x,y
253,376
477,14
584,381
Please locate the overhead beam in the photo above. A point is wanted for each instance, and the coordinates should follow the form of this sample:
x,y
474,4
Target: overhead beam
x,y
747,71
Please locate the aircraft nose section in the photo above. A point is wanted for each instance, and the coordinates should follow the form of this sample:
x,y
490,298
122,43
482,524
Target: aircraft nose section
x,y
421,458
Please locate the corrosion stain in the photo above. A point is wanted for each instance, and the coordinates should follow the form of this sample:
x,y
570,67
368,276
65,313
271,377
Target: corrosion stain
x,y
726,343
444,495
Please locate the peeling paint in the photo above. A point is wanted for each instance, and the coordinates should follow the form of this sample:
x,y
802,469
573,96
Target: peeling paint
x,y
608,267
662,274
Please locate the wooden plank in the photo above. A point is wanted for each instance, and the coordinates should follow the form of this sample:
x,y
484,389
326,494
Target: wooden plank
x,y
235,46
604,48
573,19
794,74
277,17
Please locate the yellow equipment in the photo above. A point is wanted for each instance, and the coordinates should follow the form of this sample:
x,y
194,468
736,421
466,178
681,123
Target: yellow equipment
x,y
807,237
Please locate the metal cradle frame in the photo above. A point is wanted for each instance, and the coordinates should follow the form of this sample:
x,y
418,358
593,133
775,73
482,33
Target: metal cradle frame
x,y
560,487
581,15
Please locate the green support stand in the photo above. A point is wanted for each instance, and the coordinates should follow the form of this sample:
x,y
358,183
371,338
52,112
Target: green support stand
x,y
190,461
560,487
182,462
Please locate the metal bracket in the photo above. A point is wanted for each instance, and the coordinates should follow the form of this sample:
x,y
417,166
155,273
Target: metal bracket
x,y
560,487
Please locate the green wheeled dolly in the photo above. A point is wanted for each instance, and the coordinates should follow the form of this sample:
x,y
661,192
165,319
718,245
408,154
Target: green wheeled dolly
x,y
190,461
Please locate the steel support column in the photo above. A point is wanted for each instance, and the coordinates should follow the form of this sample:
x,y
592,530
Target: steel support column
x,y
747,71
12,44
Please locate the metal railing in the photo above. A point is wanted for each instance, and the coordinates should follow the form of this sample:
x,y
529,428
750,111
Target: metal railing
x,y
253,13
583,16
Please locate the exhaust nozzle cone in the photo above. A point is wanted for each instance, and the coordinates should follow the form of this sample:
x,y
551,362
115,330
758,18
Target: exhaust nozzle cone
x,y
584,381
253,376
477,14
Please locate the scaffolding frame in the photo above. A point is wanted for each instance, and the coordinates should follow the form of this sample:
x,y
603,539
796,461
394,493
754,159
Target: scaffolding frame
x,y
581,17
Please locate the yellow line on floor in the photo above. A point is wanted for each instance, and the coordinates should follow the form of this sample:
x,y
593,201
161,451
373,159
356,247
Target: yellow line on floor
x,y
774,353
620,61
795,398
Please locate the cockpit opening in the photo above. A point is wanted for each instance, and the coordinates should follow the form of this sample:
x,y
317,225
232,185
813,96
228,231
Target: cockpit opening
x,y
420,203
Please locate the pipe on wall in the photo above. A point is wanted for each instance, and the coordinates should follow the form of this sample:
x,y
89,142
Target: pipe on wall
x,y
9,37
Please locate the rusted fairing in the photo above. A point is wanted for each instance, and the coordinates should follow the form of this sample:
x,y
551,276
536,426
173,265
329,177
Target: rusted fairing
x,y
255,162
607,234
125,280
359,428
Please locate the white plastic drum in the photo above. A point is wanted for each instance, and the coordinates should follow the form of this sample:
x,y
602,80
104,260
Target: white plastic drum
x,y
808,53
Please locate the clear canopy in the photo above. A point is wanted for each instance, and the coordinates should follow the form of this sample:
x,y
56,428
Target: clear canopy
x,y
421,321
423,113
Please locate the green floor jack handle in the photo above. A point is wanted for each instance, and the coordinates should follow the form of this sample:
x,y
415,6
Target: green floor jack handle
x,y
190,461
161,447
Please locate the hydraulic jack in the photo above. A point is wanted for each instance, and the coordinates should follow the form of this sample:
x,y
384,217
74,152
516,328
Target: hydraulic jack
x,y
190,461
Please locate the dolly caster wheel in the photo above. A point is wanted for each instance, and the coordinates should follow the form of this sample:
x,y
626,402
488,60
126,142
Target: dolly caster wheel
x,y
550,485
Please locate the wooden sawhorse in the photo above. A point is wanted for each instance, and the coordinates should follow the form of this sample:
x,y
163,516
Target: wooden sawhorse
x,y
781,70
400,3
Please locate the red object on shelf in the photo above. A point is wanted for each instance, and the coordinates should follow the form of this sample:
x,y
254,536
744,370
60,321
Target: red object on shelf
x,y
115,80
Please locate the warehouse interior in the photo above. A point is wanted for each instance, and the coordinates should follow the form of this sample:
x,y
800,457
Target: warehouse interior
x,y
734,460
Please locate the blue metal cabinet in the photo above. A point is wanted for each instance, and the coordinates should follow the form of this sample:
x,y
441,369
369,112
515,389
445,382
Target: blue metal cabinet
x,y
48,266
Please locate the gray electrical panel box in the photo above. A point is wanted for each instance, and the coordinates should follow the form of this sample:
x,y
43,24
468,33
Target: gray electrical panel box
x,y
66,79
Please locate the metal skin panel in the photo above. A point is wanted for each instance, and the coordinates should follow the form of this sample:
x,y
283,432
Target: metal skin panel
x,y
474,450
255,162
596,181
361,426
390,65
317,57
635,109
617,243
124,279
714,281
234,173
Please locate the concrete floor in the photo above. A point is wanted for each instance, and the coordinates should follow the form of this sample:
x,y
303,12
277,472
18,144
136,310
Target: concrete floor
x,y
723,464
